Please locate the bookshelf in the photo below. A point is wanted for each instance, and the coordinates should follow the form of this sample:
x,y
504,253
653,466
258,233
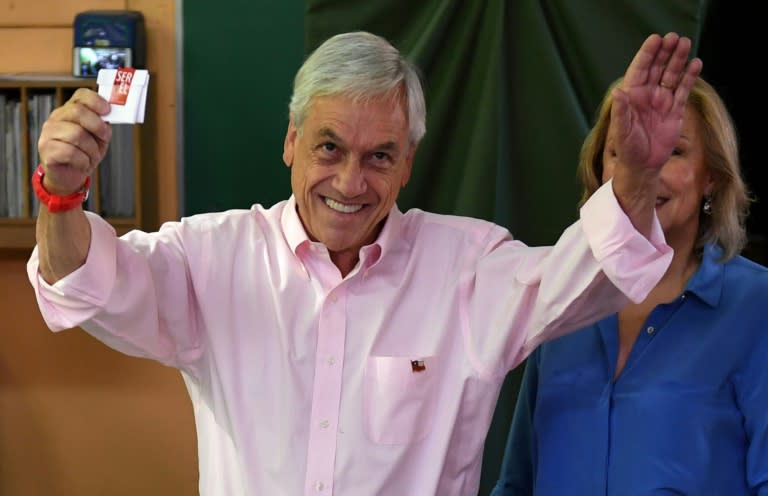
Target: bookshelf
x,y
25,102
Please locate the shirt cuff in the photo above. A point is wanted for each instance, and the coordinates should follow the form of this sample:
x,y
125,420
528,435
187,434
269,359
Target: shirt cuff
x,y
77,296
634,263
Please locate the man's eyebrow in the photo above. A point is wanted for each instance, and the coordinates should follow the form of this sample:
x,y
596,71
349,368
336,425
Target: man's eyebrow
x,y
388,146
326,132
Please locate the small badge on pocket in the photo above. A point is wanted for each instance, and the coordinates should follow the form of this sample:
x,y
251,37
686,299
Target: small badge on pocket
x,y
417,366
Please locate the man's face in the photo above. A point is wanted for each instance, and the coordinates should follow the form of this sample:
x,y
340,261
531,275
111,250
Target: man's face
x,y
348,164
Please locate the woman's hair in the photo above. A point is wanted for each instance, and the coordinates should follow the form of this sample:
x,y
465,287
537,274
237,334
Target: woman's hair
x,y
725,226
362,66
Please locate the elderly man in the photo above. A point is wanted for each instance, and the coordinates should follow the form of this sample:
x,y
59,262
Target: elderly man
x,y
332,344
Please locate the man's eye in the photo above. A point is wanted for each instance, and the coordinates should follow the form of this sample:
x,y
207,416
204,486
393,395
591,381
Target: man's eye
x,y
329,147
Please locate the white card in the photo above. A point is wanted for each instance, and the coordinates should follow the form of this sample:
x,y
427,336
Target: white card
x,y
126,91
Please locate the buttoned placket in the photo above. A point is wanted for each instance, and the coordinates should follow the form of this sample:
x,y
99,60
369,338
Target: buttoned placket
x,y
326,391
656,321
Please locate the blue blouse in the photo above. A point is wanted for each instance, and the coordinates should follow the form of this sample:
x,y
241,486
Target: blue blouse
x,y
688,415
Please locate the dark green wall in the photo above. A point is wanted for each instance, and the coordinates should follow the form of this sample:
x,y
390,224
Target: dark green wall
x,y
239,58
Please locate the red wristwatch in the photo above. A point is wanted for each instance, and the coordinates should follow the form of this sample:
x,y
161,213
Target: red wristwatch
x,y
56,203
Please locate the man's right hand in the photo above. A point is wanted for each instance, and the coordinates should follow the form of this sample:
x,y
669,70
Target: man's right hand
x,y
73,141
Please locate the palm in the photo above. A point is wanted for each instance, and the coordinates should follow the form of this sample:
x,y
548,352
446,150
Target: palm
x,y
654,126
648,108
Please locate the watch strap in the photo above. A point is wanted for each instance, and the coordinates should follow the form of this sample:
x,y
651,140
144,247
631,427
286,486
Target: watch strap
x,y
57,203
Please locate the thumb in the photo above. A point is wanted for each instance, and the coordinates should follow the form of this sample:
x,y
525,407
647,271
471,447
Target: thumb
x,y
621,119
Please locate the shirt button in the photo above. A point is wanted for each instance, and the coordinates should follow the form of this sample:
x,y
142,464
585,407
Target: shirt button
x,y
324,424
334,299
650,330
319,486
331,361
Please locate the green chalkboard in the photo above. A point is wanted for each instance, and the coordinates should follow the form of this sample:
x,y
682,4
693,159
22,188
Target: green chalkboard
x,y
239,58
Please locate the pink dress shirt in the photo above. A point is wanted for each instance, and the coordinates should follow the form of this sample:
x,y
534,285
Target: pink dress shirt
x,y
380,383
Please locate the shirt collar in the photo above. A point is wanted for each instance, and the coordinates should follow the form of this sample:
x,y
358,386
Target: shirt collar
x,y
388,239
293,229
391,234
707,282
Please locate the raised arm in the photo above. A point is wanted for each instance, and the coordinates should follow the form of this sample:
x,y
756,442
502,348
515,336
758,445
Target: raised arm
x,y
73,141
646,119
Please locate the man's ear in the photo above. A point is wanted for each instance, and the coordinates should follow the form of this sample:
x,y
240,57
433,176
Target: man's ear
x,y
408,166
289,146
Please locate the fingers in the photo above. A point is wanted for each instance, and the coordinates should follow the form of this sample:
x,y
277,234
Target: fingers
x,y
660,62
686,81
74,140
673,65
66,142
86,108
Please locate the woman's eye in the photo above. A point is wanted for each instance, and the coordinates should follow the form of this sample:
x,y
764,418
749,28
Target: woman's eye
x,y
677,151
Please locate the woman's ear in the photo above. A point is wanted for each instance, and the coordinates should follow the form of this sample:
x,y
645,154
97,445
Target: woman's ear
x,y
710,187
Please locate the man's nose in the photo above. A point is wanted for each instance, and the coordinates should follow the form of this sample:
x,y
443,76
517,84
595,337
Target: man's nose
x,y
350,179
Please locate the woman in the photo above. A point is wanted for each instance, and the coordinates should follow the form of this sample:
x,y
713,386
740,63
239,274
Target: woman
x,y
669,396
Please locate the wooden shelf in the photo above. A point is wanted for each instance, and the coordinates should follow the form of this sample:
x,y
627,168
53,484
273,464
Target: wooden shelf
x,y
112,182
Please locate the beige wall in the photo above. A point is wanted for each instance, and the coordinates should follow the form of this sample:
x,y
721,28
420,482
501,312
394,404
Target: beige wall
x,y
77,418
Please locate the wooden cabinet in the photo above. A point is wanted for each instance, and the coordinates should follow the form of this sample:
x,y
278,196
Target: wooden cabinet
x,y
25,102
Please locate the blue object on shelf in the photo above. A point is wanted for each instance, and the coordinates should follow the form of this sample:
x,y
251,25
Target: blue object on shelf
x,y
108,39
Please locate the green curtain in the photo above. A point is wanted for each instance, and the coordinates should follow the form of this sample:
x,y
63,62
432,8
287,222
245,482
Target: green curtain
x,y
511,89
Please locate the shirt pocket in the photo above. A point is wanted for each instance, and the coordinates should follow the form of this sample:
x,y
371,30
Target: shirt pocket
x,y
399,398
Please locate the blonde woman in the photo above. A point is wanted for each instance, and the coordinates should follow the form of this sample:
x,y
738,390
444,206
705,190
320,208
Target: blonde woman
x,y
670,395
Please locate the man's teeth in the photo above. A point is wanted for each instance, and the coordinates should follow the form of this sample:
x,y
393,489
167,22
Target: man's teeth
x,y
340,207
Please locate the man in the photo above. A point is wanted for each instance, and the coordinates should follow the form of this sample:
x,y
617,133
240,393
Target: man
x,y
332,344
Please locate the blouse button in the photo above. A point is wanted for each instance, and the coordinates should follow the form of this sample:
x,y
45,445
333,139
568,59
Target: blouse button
x,y
650,330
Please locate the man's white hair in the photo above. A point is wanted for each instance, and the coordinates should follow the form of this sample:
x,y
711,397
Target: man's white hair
x,y
362,66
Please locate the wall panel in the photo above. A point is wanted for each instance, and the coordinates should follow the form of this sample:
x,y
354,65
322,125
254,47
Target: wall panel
x,y
50,12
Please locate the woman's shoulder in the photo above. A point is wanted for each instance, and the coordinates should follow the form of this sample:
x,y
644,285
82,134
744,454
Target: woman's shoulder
x,y
740,268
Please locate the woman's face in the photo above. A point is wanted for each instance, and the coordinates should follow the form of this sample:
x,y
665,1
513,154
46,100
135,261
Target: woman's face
x,y
685,180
